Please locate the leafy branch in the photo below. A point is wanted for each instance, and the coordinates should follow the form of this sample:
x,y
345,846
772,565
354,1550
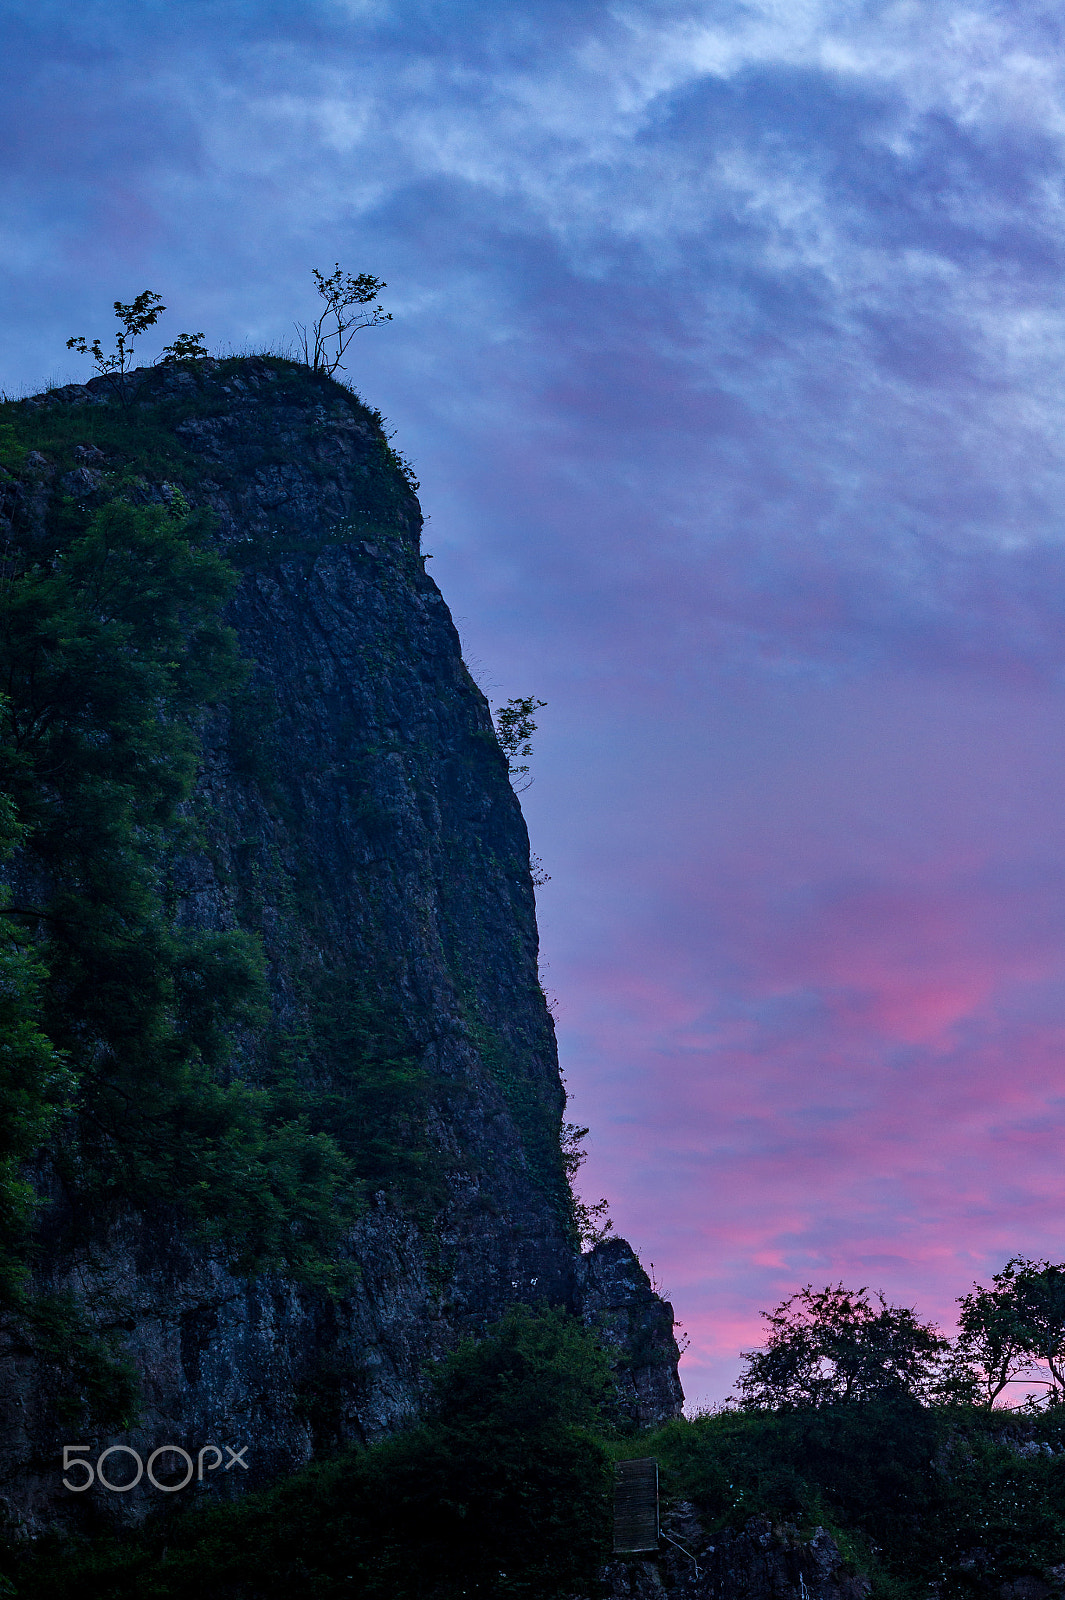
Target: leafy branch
x,y
186,347
514,730
594,1225
136,318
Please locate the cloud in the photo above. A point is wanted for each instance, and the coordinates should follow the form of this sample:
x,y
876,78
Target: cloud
x,y
812,990
728,346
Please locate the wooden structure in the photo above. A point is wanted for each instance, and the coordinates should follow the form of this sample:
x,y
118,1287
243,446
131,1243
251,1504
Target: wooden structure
x,y
636,1506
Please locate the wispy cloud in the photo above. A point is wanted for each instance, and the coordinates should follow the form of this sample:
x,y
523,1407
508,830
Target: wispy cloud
x,y
728,343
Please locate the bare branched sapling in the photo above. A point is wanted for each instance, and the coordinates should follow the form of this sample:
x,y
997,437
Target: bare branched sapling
x,y
350,304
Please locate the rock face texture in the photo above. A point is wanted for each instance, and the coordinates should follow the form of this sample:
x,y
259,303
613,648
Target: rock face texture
x,y
616,1299
758,1562
355,812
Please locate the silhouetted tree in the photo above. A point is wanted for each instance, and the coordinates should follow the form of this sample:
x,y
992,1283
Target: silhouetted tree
x,y
1015,1329
136,318
350,304
514,730
186,347
835,1344
592,1218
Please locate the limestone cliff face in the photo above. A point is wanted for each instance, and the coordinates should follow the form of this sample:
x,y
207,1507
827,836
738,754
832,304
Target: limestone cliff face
x,y
355,812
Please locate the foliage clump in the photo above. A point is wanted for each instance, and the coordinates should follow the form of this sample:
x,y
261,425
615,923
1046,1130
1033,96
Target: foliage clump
x,y
836,1345
944,1499
119,1082
1014,1332
142,313
502,1491
109,653
591,1217
515,726
859,1415
831,1345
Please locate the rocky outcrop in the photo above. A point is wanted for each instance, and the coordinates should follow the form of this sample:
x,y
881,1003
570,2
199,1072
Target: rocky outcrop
x,y
758,1562
355,812
615,1298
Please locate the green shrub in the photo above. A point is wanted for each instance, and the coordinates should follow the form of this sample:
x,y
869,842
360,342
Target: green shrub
x,y
501,1492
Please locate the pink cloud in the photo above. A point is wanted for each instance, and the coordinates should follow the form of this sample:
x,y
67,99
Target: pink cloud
x,y
827,1050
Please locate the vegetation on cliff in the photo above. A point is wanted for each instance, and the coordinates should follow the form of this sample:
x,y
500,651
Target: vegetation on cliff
x,y
949,1500
503,1491
140,1065
117,1022
858,1416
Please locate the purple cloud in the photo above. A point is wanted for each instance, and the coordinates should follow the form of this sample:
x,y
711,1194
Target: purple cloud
x,y
727,345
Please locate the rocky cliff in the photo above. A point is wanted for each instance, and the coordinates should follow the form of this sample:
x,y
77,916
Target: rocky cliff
x,y
352,811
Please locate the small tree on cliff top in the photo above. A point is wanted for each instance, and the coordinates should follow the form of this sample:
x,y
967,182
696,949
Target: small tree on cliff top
x,y
350,304
136,318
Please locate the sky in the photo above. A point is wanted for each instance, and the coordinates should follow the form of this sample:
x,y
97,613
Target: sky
x,y
728,344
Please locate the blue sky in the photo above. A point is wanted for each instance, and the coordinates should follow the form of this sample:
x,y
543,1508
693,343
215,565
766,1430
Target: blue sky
x,y
727,345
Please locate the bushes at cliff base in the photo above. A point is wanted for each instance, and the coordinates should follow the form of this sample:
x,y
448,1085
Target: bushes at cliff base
x,y
502,1492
